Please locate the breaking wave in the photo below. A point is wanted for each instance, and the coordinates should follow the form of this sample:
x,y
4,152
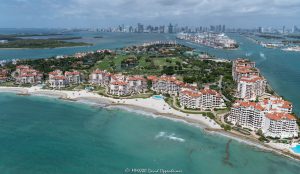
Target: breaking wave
x,y
171,136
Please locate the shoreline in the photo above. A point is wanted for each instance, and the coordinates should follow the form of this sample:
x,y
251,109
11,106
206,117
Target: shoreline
x,y
155,108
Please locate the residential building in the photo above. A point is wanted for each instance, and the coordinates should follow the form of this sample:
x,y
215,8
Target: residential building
x,y
274,103
249,88
272,116
100,77
205,99
136,84
243,68
247,114
119,88
73,77
26,75
280,125
3,75
244,71
168,85
57,80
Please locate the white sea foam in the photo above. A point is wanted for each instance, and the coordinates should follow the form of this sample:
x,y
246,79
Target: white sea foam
x,y
262,55
153,115
133,110
171,136
249,54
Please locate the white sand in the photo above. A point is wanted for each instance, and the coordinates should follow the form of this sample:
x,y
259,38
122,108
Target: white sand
x,y
160,106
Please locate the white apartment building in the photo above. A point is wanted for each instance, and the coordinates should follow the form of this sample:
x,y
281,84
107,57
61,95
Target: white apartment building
x,y
249,88
204,99
119,88
243,68
136,84
280,125
247,114
57,80
73,77
168,85
240,62
271,115
26,75
99,77
278,104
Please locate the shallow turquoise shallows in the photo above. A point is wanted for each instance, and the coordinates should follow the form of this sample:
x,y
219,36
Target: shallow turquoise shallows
x,y
158,97
45,135
296,149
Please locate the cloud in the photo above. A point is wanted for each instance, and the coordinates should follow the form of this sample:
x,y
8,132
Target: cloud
x,y
105,12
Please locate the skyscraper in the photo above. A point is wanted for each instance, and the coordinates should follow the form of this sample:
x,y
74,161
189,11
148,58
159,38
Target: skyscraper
x,y
140,28
162,29
170,28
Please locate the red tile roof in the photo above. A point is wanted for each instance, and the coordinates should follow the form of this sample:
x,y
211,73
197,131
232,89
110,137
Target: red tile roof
x,y
72,73
97,71
135,78
59,77
152,78
191,93
22,67
251,79
257,106
280,116
245,69
119,83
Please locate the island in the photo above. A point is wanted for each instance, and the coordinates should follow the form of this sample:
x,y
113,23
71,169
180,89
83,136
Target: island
x,y
169,80
26,41
214,40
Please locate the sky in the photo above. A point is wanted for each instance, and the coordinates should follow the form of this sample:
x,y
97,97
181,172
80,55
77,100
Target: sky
x,y
102,13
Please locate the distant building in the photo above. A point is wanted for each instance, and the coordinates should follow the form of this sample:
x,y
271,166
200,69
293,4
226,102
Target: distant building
x,y
140,28
170,28
295,29
131,29
260,29
162,29
223,28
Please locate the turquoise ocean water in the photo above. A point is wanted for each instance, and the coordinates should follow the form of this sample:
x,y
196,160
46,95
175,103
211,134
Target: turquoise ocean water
x,y
45,135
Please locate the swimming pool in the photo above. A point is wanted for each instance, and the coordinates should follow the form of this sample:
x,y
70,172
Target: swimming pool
x,y
158,97
296,149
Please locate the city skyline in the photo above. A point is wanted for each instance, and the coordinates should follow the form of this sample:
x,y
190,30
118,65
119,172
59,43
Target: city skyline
x,y
95,13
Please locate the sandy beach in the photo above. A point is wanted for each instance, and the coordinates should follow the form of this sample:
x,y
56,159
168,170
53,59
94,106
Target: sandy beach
x,y
155,107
